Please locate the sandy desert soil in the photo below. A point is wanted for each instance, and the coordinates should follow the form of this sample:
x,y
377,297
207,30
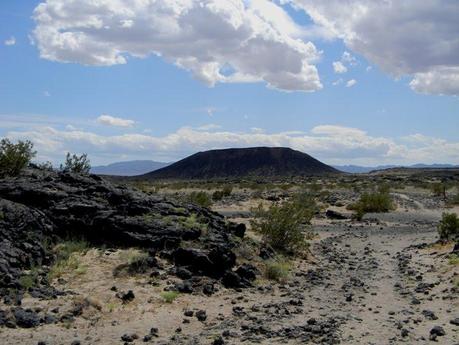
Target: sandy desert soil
x,y
379,281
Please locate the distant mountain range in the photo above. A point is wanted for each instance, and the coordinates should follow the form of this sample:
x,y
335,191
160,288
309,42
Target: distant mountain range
x,y
128,168
142,167
356,169
243,162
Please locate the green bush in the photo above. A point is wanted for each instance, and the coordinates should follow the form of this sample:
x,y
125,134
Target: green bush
x,y
77,164
277,270
453,259
282,225
29,279
220,194
200,198
169,296
376,202
448,229
15,157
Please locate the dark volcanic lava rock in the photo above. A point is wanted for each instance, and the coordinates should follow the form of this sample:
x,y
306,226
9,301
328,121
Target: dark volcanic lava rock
x,y
22,233
42,206
332,214
237,229
248,272
26,318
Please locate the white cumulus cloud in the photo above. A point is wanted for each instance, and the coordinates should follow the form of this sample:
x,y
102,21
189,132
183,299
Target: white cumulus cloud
x,y
108,120
339,67
10,41
330,143
351,83
217,41
403,37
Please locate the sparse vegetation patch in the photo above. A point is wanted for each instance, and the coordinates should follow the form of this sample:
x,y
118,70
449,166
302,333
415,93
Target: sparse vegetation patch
x,y
200,198
377,202
283,226
277,270
448,229
66,259
15,157
77,164
169,296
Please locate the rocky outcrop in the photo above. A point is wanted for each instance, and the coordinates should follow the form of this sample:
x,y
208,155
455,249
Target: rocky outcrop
x,y
42,206
22,236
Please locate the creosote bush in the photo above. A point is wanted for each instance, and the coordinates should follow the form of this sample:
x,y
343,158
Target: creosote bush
x,y
377,202
200,198
448,229
283,225
77,164
220,194
15,157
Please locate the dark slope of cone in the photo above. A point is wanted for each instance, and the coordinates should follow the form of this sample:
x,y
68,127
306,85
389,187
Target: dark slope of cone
x,y
243,162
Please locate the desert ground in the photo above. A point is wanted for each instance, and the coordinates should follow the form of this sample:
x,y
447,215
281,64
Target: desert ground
x,y
384,279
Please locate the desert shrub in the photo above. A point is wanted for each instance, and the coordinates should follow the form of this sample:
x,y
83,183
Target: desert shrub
x,y
377,202
448,229
277,270
66,260
15,157
29,279
193,222
48,166
131,256
282,225
76,164
134,262
437,188
220,194
169,296
453,259
440,188
200,198
72,264
227,190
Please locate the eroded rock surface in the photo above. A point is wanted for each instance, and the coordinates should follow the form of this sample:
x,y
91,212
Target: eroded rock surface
x,y
42,206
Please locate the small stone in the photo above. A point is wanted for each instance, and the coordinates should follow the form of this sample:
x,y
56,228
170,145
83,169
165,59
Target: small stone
x,y
430,315
129,338
405,332
201,315
218,341
438,331
126,297
188,313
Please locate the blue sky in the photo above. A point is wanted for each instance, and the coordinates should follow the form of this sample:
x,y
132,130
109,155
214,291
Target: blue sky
x,y
171,112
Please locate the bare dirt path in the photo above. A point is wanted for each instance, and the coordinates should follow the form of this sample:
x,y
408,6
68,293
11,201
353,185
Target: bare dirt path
x,y
379,282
